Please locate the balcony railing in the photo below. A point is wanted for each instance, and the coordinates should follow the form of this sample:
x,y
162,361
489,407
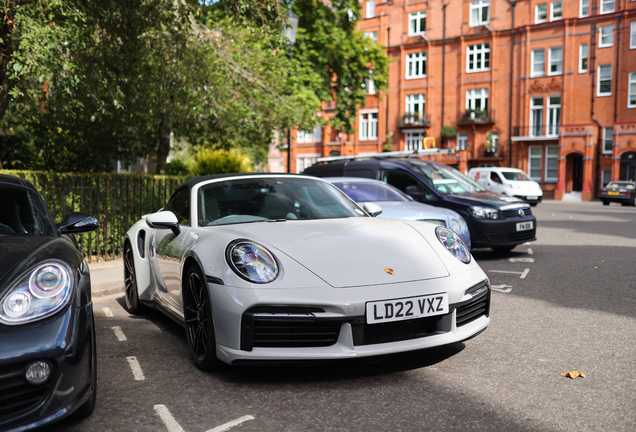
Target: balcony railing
x,y
536,131
414,120
476,117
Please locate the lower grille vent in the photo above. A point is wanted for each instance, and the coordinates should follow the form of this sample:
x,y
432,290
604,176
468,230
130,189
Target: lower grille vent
x,y
477,308
369,334
16,395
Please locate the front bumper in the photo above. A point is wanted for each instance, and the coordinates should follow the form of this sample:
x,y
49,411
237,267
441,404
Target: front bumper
x,y
501,233
65,342
530,199
312,326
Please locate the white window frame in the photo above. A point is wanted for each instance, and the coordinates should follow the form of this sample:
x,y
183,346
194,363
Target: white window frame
x,y
551,155
477,95
533,63
416,65
370,9
372,35
584,8
368,126
553,119
608,140
556,13
304,161
462,140
478,6
541,16
598,80
539,110
415,103
631,90
632,35
413,140
584,56
480,54
606,36
309,136
555,60
415,20
533,159
607,6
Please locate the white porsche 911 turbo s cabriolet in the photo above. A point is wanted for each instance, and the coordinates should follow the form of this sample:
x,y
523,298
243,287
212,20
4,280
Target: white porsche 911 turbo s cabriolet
x,y
286,267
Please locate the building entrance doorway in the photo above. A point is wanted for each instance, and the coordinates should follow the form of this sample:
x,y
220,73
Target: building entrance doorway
x,y
628,166
574,173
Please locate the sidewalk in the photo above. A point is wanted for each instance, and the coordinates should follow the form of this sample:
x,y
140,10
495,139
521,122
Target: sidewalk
x,y
107,277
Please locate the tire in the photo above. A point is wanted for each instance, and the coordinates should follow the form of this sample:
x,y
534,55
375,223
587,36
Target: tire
x,y
505,249
88,407
131,293
199,321
605,202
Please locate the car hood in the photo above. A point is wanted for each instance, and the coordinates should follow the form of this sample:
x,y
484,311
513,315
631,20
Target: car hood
x,y
480,198
413,211
350,252
14,249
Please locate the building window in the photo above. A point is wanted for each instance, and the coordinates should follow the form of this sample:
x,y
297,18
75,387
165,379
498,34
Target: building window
x,y
607,6
604,85
606,177
632,35
417,23
414,140
538,62
479,12
534,163
370,8
305,161
556,10
608,140
415,105
551,164
555,60
370,84
583,58
554,115
478,57
477,100
309,136
584,8
606,36
541,13
536,116
372,35
631,91
416,65
494,139
462,140
368,126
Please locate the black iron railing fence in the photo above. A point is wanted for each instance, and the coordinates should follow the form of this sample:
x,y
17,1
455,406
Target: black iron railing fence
x,y
116,200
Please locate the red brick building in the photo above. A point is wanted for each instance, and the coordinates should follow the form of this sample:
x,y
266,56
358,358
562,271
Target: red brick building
x,y
545,86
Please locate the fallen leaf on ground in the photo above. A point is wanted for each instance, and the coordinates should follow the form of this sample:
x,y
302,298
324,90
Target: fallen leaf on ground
x,y
573,374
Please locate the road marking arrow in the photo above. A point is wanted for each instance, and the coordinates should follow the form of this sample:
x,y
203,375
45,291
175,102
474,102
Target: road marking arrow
x,y
503,288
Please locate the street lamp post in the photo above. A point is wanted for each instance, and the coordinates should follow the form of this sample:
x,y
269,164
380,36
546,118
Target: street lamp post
x,y
290,28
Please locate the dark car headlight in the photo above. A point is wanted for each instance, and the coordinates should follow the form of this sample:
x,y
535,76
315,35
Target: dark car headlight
x,y
485,213
252,261
453,243
38,293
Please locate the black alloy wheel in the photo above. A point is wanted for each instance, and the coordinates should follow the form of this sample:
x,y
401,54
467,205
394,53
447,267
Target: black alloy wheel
x,y
133,304
199,321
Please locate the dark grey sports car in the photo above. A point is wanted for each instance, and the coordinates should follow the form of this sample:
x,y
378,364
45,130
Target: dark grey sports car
x,y
47,333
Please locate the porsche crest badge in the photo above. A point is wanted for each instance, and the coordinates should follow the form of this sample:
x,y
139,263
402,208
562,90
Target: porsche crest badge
x,y
389,271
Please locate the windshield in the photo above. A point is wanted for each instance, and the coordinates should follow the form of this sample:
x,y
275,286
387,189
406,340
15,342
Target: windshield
x,y
366,191
620,185
448,180
266,199
23,213
515,176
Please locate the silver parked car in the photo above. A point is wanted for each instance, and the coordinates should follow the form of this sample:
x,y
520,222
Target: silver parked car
x,y
397,205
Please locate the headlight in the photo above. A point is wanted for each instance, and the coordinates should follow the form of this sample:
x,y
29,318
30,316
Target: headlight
x,y
453,243
252,261
39,293
485,213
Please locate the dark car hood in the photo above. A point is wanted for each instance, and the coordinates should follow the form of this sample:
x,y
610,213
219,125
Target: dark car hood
x,y
13,249
491,198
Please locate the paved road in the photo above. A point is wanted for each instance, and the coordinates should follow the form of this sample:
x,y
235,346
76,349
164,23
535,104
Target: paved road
x,y
566,302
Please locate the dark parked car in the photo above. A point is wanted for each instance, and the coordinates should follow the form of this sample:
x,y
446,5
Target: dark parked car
x,y
623,192
496,221
48,365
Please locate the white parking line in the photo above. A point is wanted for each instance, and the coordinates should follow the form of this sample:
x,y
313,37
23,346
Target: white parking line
x,y
108,312
167,419
523,260
522,274
231,424
503,288
120,334
136,368
530,251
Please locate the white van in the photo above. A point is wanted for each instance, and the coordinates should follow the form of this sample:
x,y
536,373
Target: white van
x,y
508,181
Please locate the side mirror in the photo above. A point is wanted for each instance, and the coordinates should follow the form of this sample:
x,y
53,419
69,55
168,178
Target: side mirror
x,y
77,223
414,192
164,220
373,209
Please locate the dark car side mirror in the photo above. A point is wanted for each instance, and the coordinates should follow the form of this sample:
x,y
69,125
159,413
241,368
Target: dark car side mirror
x,y
77,223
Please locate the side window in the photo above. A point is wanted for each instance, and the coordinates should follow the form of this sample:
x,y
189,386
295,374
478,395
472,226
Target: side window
x,y
179,204
495,177
407,184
